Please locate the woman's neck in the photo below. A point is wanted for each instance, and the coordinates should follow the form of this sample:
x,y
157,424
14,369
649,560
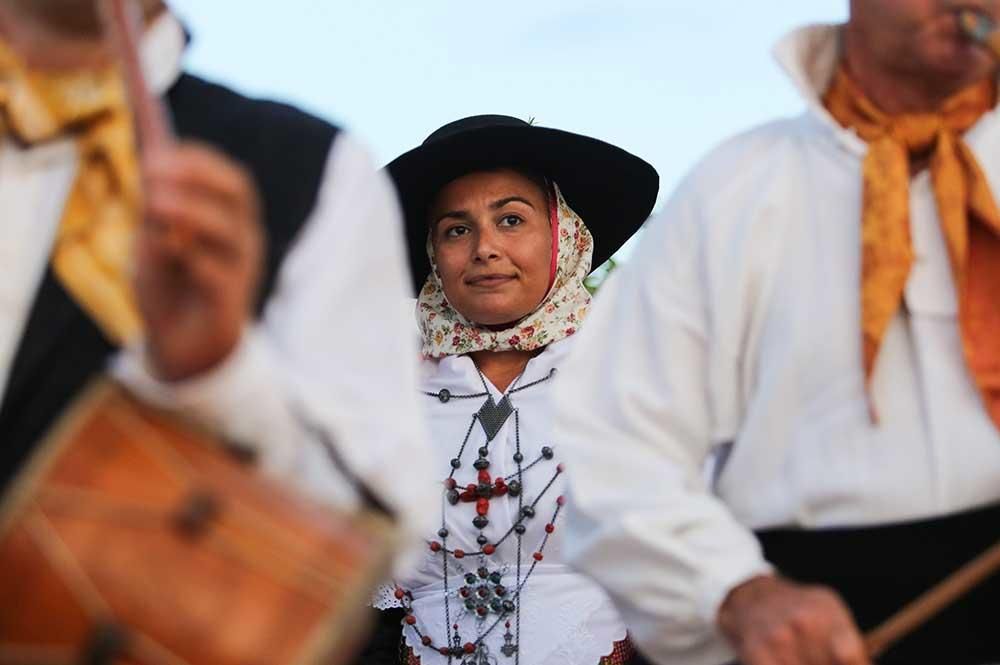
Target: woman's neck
x,y
502,367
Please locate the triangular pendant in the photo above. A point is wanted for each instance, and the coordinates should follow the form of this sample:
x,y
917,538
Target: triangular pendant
x,y
492,416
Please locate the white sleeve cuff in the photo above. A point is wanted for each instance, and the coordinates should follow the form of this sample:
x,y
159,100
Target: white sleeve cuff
x,y
714,592
215,398
131,367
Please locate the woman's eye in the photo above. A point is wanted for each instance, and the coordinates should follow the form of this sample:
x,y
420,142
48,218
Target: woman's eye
x,y
510,220
455,231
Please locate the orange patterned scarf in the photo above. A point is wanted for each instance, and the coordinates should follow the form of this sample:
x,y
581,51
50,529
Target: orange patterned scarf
x,y
970,220
92,252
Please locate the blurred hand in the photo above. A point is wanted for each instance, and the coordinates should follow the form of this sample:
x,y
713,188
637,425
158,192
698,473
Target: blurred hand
x,y
199,252
772,621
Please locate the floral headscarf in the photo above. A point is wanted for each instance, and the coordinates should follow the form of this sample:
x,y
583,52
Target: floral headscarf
x,y
445,332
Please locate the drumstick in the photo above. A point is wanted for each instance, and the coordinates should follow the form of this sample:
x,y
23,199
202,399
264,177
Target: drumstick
x,y
934,600
981,29
123,26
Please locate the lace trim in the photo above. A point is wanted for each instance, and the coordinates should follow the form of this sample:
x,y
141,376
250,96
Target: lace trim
x,y
384,597
622,653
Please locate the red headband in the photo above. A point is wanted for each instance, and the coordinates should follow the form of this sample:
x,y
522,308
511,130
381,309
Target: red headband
x,y
554,224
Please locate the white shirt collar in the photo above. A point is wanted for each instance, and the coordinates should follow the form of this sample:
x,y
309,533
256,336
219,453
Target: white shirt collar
x,y
458,373
162,51
809,56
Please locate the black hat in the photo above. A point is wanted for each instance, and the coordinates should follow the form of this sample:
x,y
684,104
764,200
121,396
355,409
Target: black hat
x,y
612,190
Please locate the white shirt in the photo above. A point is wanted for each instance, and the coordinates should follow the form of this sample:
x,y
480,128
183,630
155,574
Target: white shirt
x,y
332,344
734,332
566,619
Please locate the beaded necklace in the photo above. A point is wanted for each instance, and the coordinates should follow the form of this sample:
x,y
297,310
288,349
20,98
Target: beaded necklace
x,y
482,595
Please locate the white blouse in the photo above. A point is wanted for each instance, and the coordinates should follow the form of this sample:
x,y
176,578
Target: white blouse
x,y
561,618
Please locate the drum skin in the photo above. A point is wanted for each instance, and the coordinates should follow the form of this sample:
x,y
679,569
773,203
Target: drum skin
x,y
132,538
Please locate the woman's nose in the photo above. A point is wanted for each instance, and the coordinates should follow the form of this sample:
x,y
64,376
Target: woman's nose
x,y
487,245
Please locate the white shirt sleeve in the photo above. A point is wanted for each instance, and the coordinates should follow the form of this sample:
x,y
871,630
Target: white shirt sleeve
x,y
636,402
334,348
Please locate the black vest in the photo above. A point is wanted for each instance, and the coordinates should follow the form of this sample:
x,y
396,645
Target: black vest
x,y
61,349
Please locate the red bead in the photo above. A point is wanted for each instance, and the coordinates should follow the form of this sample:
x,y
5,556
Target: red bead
x,y
399,594
561,501
484,476
471,487
464,592
458,554
489,549
450,483
435,546
483,506
469,647
444,651
560,468
500,482
481,611
410,619
538,556
425,640
549,528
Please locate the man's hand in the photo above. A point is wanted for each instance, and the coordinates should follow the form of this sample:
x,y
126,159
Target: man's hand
x,y
198,255
772,621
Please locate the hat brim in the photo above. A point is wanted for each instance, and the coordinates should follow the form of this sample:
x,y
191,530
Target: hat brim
x,y
612,190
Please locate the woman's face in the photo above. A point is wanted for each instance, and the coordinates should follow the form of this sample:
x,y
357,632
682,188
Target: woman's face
x,y
493,245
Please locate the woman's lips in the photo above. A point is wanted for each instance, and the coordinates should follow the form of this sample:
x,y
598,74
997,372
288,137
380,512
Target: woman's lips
x,y
487,281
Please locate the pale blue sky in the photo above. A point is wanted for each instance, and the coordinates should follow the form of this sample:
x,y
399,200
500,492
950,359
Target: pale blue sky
x,y
665,79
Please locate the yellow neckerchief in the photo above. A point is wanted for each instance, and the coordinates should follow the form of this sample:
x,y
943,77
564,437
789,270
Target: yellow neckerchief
x,y
969,218
92,252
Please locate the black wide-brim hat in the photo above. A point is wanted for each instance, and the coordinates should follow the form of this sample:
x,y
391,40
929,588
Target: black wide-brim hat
x,y
612,190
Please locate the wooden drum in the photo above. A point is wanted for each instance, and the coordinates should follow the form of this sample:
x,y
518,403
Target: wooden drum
x,y
134,539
